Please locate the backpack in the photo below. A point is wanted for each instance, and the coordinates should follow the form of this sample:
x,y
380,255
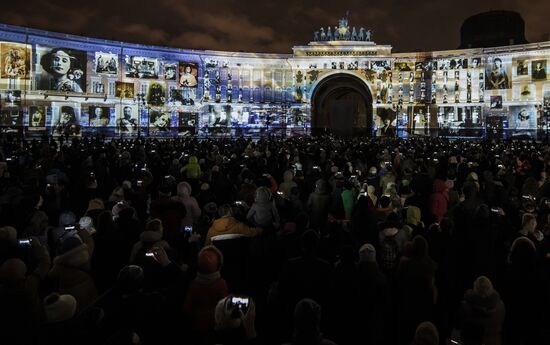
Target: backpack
x,y
390,253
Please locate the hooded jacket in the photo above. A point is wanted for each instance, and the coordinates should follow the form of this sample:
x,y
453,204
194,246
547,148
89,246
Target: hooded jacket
x,y
487,311
318,204
263,212
192,170
229,225
288,183
439,200
193,211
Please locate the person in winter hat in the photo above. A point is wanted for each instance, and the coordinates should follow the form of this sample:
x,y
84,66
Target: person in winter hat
x,y
288,183
150,237
71,268
439,200
482,306
307,324
426,334
318,205
234,324
192,170
205,291
59,308
263,212
193,211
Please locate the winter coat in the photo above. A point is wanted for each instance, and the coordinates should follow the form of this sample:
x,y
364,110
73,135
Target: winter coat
x,y
192,170
193,211
288,183
439,200
263,212
71,272
486,311
318,205
229,225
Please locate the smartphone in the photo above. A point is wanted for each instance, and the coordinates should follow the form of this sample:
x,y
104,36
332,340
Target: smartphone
x,y
69,228
240,303
8,159
238,203
364,194
187,229
150,254
353,177
153,151
279,192
495,210
139,183
316,167
25,242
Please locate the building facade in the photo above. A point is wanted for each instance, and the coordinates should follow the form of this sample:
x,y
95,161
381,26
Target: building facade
x,y
342,83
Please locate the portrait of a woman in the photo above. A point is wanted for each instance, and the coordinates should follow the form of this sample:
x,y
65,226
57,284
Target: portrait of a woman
x,y
64,69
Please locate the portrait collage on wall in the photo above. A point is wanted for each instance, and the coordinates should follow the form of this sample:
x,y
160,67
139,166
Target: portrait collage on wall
x,y
106,63
142,67
126,119
385,122
66,119
99,116
15,61
11,120
37,118
497,73
159,120
61,69
452,64
124,90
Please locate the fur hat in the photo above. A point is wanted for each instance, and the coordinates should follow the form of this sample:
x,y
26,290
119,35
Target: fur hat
x,y
13,270
59,307
8,233
95,204
426,334
209,260
86,223
367,253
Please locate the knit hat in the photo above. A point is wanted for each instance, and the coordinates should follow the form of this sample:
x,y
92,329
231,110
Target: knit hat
x,y
69,244
367,253
426,334
86,223
13,270
95,204
209,260
8,233
119,206
59,307
483,286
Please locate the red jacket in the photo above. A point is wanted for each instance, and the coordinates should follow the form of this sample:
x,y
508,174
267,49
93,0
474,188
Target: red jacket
x,y
439,200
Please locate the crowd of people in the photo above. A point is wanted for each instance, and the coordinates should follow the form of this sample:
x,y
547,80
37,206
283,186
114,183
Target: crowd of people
x,y
301,240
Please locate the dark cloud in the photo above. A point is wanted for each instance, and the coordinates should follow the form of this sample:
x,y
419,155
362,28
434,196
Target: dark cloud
x,y
266,26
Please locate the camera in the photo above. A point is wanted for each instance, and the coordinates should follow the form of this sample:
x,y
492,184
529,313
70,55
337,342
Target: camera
x,y
150,254
238,203
495,210
69,228
25,242
139,183
187,229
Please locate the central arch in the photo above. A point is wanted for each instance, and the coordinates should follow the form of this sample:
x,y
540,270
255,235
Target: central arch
x,y
341,104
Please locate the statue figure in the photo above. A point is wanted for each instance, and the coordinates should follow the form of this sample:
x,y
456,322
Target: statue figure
x,y
354,35
361,36
323,35
336,34
316,36
329,34
368,36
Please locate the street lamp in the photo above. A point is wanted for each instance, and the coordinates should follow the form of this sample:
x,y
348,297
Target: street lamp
x,y
141,102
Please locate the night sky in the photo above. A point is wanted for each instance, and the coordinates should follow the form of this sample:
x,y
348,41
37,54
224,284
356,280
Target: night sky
x,y
266,26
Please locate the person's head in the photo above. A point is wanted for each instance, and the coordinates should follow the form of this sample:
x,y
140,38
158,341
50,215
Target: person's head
x,y
387,122
127,112
59,308
58,62
529,222
367,253
67,115
209,260
523,115
225,211
497,63
187,69
426,334
98,112
483,287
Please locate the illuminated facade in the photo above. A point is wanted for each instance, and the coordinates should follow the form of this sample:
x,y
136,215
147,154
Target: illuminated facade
x,y
342,82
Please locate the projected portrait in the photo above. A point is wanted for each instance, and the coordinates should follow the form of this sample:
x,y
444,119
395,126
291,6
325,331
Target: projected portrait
x,y
62,69
159,121
106,63
156,95
380,65
522,67
15,61
13,97
37,118
403,66
523,121
187,122
538,70
496,102
170,71
496,76
99,116
65,120
475,63
124,90
126,119
142,67
188,74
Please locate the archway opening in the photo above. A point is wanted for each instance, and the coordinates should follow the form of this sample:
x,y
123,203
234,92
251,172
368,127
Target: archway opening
x,y
342,106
